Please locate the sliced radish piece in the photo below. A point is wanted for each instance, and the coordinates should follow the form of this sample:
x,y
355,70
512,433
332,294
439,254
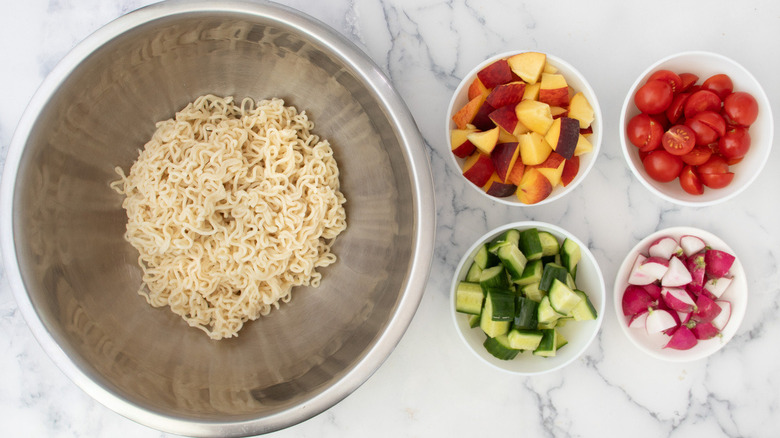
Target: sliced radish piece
x,y
717,286
682,339
696,267
659,320
676,275
654,267
662,306
678,299
704,331
691,245
684,317
638,320
635,300
706,309
653,289
665,248
718,262
637,276
723,317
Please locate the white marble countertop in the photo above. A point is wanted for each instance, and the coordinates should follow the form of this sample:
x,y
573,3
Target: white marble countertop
x,y
430,385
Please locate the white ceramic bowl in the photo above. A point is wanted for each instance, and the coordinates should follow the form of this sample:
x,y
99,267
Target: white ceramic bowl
x,y
704,65
653,344
576,80
579,334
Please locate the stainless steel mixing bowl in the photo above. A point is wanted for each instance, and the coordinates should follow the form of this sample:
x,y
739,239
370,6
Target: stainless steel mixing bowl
x,y
75,278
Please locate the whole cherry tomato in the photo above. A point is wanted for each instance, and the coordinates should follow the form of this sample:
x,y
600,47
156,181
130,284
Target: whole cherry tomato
x,y
735,143
654,97
740,108
662,166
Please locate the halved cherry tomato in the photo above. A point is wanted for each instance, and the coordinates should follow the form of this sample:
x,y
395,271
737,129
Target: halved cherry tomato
x,y
678,140
713,120
719,84
690,182
734,144
714,165
701,100
662,166
740,108
644,132
704,134
698,155
668,76
716,180
653,97
675,110
688,80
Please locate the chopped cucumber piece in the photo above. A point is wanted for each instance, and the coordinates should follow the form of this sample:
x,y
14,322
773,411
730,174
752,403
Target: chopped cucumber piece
x,y
547,346
484,259
550,246
496,327
532,291
530,244
560,341
526,313
551,272
513,260
562,299
494,277
473,321
552,259
520,339
508,237
499,347
469,298
532,273
584,311
472,276
570,256
570,282
503,304
546,315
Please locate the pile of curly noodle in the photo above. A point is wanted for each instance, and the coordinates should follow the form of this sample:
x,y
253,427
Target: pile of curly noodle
x,y
230,207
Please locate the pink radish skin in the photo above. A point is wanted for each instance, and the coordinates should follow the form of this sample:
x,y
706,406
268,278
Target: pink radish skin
x,y
682,339
677,274
704,331
696,267
638,320
718,262
717,286
691,244
635,300
654,267
677,299
636,276
723,317
664,248
706,309
653,289
659,320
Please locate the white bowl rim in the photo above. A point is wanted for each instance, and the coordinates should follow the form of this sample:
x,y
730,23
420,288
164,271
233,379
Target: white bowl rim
x,y
596,138
764,104
704,348
586,253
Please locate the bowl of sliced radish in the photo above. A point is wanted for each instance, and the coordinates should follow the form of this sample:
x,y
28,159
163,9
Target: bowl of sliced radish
x,y
527,298
680,294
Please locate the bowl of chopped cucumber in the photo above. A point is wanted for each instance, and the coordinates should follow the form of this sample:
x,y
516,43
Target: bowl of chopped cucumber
x,y
528,298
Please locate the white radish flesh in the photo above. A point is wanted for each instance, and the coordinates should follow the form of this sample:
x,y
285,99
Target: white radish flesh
x,y
723,317
691,245
659,320
654,267
636,276
677,274
678,299
638,320
665,248
717,286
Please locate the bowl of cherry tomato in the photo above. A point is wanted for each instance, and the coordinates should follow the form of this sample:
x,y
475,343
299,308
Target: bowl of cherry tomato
x,y
696,128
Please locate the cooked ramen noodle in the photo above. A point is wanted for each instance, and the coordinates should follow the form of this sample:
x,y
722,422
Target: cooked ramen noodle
x,y
231,206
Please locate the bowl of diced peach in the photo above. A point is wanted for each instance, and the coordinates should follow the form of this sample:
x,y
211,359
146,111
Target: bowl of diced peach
x,y
524,128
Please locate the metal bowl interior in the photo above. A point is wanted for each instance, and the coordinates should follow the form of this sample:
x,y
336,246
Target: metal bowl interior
x,y
76,279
